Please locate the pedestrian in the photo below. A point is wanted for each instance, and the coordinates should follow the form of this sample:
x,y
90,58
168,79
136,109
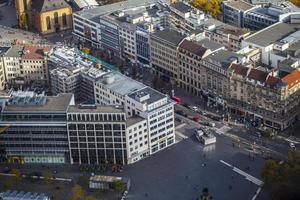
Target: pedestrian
x,y
146,194
204,156
230,187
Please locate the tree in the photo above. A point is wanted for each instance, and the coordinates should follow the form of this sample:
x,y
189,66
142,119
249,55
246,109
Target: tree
x,y
90,198
119,186
296,2
212,7
48,177
282,178
77,192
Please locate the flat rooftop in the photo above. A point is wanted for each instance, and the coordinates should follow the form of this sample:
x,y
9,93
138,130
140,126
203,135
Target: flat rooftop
x,y
122,84
182,7
154,95
224,57
240,5
15,51
95,109
169,35
206,43
59,103
94,13
272,33
133,120
3,50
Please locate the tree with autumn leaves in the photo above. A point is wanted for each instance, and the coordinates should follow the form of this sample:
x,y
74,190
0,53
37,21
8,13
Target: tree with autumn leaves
x,y
212,7
282,178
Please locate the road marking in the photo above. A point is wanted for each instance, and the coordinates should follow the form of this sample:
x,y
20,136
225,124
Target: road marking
x,y
256,194
39,177
181,135
180,126
248,177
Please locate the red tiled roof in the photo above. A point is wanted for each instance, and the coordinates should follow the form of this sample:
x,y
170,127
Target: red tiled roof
x,y
34,52
239,69
292,78
193,47
258,75
272,81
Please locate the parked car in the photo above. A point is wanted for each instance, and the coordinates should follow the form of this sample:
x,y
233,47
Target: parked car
x,y
196,119
194,108
180,112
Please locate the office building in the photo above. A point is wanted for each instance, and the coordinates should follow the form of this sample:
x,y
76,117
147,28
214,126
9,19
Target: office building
x,y
140,100
164,52
35,128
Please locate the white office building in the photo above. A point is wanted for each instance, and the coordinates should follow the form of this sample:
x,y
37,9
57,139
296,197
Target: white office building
x,y
139,100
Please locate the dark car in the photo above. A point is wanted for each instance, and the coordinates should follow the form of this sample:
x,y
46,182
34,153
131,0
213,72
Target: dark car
x,y
180,112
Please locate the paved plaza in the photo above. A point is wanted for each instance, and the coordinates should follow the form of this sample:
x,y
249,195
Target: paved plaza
x,y
182,171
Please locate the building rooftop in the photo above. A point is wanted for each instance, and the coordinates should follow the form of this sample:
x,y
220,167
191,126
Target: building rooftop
x,y
239,69
182,7
258,75
93,14
193,47
35,52
21,195
3,50
273,33
121,84
206,43
239,5
169,35
292,78
92,108
14,51
133,120
85,3
47,5
58,103
147,95
225,58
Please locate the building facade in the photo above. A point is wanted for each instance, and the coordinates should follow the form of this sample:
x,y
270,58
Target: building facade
x,y
35,128
43,15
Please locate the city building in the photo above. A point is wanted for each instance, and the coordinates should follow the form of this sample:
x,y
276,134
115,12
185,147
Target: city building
x,y
191,75
164,52
53,129
26,65
233,11
277,42
97,134
3,51
88,27
267,97
45,16
256,17
140,100
71,73
215,87
35,128
185,17
229,36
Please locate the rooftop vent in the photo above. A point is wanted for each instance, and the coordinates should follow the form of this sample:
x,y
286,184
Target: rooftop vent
x,y
142,96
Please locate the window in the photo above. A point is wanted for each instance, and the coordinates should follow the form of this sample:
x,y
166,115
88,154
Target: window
x,y
55,18
48,21
64,19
